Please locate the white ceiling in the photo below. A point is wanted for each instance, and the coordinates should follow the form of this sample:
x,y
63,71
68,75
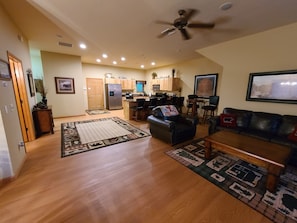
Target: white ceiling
x,y
128,28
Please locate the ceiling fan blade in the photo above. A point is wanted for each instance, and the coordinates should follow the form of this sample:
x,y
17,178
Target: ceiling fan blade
x,y
164,22
201,25
166,32
185,34
190,13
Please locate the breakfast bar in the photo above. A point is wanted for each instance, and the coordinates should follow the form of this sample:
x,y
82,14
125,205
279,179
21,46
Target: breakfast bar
x,y
128,105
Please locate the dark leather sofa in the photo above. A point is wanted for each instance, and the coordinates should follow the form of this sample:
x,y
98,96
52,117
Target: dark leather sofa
x,y
272,127
172,129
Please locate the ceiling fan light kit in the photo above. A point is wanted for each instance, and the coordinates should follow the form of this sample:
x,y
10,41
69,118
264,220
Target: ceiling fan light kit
x,y
182,22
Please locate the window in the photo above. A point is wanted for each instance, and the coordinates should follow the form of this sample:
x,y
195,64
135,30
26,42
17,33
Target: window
x,y
140,86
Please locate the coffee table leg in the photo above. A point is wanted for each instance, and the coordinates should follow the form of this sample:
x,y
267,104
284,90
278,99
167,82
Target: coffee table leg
x,y
271,182
273,177
207,151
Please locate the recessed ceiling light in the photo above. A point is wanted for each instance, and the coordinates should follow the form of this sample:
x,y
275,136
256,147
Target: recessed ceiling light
x,y
153,63
83,46
98,60
123,58
114,62
142,66
104,55
225,6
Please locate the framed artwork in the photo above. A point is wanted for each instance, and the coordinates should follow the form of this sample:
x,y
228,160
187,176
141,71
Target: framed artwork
x,y
205,85
4,70
31,82
64,85
277,86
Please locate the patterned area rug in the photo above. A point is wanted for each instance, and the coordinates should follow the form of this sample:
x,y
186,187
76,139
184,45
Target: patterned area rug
x,y
243,180
96,112
83,136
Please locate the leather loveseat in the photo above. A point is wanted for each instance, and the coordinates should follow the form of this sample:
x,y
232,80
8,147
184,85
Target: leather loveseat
x,y
276,128
168,125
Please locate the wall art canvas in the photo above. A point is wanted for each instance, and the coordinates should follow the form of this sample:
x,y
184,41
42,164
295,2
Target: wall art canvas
x,y
278,86
64,85
205,85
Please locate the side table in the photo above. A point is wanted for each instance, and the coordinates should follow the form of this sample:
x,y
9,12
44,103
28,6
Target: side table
x,y
43,121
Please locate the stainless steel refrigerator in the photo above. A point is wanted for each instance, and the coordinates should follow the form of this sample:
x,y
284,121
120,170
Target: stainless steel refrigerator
x,y
113,93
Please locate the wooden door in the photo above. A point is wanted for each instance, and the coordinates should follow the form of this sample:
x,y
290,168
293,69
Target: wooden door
x,y
95,93
21,97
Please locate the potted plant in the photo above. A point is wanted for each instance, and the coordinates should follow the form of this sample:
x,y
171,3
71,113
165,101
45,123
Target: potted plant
x,y
154,75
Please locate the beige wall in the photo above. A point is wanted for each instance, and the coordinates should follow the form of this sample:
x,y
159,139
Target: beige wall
x,y
186,71
11,156
99,71
272,50
61,65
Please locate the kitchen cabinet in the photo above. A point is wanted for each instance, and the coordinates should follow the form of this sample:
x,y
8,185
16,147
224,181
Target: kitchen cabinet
x,y
125,83
112,81
167,84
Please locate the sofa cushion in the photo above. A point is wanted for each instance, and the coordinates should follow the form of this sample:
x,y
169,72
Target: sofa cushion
x,y
265,122
287,126
242,116
228,120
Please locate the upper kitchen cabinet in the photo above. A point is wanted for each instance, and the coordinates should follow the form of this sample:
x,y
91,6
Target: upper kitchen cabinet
x,y
127,84
167,84
112,81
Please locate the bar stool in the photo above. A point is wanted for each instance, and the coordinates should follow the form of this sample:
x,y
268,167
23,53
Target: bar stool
x,y
210,108
152,105
180,104
192,105
174,100
138,109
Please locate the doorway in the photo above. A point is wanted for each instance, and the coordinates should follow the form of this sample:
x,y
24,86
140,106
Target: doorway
x,y
21,97
95,93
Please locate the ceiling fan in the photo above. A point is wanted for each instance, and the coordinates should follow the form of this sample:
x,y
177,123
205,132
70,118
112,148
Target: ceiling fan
x,y
182,22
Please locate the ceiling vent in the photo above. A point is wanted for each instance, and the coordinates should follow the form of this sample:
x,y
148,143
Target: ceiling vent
x,y
65,44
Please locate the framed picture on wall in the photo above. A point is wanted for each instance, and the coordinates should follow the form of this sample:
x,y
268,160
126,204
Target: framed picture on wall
x,y
31,82
205,85
64,85
277,86
4,70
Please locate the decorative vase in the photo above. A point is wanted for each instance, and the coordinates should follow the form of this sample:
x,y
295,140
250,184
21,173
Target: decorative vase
x,y
173,72
44,100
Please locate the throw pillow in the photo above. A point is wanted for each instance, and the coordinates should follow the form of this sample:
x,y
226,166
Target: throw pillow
x,y
293,135
169,110
228,120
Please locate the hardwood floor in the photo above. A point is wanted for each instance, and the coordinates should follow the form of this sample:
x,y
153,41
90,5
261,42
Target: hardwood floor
x,y
128,182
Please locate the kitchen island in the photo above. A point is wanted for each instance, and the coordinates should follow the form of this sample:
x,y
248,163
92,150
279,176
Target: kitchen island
x,y
128,105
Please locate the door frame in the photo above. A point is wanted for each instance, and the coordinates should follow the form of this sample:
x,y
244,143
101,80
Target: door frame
x,y
21,97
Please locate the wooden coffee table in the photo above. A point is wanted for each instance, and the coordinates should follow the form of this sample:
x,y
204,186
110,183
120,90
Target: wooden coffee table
x,y
262,153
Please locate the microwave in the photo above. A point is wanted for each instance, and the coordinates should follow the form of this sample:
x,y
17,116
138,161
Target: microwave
x,y
156,87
